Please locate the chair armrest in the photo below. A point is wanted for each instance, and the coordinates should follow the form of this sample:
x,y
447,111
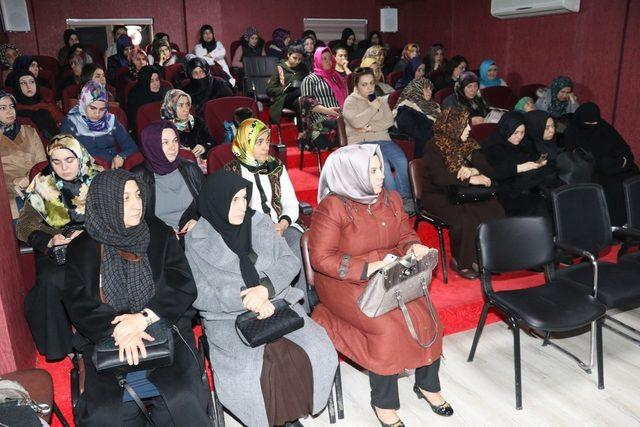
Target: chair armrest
x,y
633,233
24,248
281,153
305,208
396,134
432,219
581,252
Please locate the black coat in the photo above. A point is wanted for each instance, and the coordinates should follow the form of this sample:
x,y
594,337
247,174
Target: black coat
x,y
199,134
417,125
180,384
192,175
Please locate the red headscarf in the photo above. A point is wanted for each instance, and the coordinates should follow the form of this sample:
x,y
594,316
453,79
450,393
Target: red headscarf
x,y
331,77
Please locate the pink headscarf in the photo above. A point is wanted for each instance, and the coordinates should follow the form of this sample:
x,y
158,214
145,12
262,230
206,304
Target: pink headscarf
x,y
331,77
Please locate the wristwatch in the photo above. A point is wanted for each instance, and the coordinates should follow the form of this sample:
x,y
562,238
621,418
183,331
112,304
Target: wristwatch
x,y
146,317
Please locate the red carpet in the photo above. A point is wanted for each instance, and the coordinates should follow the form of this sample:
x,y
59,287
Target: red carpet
x,y
458,303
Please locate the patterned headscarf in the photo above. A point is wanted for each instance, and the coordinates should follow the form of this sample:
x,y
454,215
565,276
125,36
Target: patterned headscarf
x,y
13,129
62,202
414,92
278,37
374,52
558,108
244,143
169,109
250,31
92,92
448,129
3,54
408,49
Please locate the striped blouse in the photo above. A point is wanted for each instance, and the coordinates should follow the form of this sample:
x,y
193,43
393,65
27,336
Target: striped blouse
x,y
314,85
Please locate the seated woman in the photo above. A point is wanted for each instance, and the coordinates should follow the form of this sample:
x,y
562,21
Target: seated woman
x,y
70,37
31,104
78,50
415,69
192,131
124,273
525,104
489,74
524,180
451,73
309,44
541,134
436,59
280,39
95,72
285,379
410,51
161,54
284,85
342,60
378,53
416,112
8,54
558,99
329,90
614,158
251,44
213,52
466,94
29,63
453,158
147,90
382,88
20,150
367,122
173,184
54,215
98,130
373,39
348,40
203,86
274,195
116,32
357,223
139,60
122,59
72,74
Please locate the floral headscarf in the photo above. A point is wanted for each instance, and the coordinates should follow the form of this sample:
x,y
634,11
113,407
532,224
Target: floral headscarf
x,y
62,202
448,129
250,31
374,52
558,108
3,54
244,143
92,92
169,109
414,93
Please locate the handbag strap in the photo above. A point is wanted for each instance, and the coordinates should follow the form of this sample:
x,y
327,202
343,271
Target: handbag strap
x,y
124,384
409,322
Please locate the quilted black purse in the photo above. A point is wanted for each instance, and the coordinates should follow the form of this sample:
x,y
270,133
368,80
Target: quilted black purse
x,y
459,194
254,332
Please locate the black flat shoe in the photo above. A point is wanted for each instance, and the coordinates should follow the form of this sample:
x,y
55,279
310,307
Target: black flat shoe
x,y
296,423
466,273
398,423
444,410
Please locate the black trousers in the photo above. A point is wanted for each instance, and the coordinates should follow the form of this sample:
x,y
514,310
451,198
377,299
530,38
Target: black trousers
x,y
384,388
133,417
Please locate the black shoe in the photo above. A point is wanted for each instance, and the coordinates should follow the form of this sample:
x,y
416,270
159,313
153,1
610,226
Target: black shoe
x,y
444,410
295,423
398,423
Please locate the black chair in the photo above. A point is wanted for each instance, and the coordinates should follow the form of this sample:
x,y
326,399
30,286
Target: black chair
x,y
257,72
632,199
586,233
519,243
415,179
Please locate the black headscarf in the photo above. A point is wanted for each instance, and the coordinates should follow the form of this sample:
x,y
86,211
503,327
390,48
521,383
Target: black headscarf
x,y
536,123
128,285
67,35
209,46
14,129
21,97
206,88
346,33
214,204
22,63
141,93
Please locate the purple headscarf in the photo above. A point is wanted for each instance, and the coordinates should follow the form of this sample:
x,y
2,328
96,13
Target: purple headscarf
x,y
151,139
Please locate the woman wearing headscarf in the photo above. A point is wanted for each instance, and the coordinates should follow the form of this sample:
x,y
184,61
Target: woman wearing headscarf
x,y
453,158
147,90
31,104
20,150
98,130
377,53
373,39
467,95
348,40
139,60
173,183
124,273
415,69
357,223
122,59
70,37
96,73
452,70
382,88
280,39
410,51
212,51
29,63
162,54
273,193
192,130
436,59
284,85
489,74
329,89
283,380
525,104
203,86
8,54
251,44
416,112
614,158
309,45
53,215
523,177
559,99
541,134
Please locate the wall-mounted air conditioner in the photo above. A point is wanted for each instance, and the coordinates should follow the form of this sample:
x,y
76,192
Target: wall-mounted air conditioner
x,y
506,9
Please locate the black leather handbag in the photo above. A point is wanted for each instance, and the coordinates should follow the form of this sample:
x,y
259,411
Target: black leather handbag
x,y
576,167
459,194
254,332
106,357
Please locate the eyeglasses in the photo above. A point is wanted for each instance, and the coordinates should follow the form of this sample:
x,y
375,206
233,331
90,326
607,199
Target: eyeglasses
x,y
363,70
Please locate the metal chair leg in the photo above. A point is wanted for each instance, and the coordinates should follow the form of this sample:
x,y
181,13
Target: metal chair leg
x,y
517,365
279,126
585,366
599,355
332,409
618,331
218,410
443,255
319,154
339,400
476,337
58,412
301,145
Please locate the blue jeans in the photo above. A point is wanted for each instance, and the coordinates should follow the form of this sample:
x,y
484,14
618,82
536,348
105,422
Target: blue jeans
x,y
394,161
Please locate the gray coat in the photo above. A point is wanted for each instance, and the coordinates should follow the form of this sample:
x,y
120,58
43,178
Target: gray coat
x,y
237,367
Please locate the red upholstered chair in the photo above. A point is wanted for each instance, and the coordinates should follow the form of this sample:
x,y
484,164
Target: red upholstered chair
x,y
233,47
393,77
96,54
354,63
48,63
147,114
440,95
173,71
393,98
500,97
435,75
49,77
217,111
37,168
120,114
482,131
48,95
530,90
68,93
218,156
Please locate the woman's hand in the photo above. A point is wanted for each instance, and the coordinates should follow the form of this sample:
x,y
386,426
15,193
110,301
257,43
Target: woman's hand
x,y
253,298
131,349
117,162
480,180
128,326
529,166
188,226
477,120
281,226
573,98
465,173
266,310
372,267
375,103
58,240
333,111
198,150
420,251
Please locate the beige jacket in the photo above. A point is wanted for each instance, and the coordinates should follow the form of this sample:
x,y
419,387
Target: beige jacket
x,y
365,123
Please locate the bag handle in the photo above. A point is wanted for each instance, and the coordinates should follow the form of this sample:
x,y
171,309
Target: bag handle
x,y
409,322
122,381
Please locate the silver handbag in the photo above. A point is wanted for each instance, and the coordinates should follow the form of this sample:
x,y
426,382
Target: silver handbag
x,y
398,283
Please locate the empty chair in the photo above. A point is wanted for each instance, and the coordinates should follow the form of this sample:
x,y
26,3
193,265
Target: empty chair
x,y
217,111
632,200
499,96
512,244
146,114
440,95
257,72
530,90
482,131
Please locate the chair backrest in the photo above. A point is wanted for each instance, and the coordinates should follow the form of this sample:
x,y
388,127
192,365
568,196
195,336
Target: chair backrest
x,y
482,131
257,72
173,71
115,109
218,156
306,259
588,229
440,95
500,97
516,243
97,55
355,63
146,114
37,168
415,180
632,197
137,158
48,63
217,111
48,95
393,77
49,77
68,93
233,47
435,75
530,90
392,99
